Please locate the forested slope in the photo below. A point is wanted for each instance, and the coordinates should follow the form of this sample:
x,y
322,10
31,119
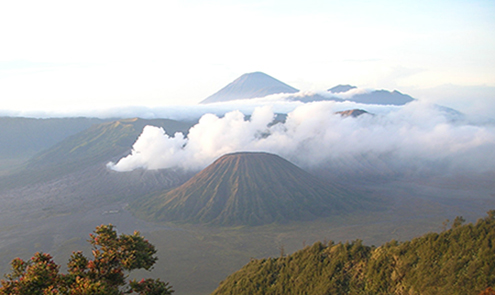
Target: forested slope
x,y
460,260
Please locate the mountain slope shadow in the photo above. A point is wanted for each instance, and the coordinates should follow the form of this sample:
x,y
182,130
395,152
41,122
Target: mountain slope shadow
x,y
250,188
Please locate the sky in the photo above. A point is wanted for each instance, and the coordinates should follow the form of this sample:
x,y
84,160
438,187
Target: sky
x,y
75,57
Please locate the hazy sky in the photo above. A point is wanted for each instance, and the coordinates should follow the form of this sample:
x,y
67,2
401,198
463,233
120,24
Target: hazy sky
x,y
67,55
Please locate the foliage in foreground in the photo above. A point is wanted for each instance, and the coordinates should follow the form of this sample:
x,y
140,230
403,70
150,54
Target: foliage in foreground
x,y
460,260
114,256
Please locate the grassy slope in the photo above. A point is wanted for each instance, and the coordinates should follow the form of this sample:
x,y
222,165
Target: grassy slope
x,y
26,136
95,145
21,138
101,142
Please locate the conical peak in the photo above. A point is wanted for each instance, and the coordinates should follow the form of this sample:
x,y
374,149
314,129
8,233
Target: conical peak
x,y
250,85
251,188
249,155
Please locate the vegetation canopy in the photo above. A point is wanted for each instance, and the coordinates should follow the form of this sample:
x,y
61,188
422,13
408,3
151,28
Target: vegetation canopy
x,y
114,256
459,261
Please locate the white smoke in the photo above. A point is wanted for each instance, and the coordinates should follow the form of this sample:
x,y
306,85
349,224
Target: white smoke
x,y
415,134
154,149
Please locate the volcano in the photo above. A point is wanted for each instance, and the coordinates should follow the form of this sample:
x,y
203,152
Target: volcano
x,y
250,188
250,85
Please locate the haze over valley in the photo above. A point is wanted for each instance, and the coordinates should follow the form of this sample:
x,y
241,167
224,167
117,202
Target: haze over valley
x,y
248,139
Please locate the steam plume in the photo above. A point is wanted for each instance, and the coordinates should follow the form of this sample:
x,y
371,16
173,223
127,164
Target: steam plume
x,y
417,134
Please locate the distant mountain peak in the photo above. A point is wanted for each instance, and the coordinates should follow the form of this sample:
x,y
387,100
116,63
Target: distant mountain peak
x,y
250,85
382,97
341,88
257,73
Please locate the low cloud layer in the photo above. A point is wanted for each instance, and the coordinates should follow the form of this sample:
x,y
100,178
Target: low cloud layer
x,y
475,105
414,136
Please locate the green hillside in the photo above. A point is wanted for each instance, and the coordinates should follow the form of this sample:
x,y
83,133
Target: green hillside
x,y
250,189
21,138
27,136
460,260
96,145
101,142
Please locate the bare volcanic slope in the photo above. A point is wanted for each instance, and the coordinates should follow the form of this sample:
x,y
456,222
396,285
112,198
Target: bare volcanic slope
x,y
352,113
250,85
249,189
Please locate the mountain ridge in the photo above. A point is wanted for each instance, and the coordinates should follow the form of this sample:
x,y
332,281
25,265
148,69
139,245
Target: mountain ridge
x,y
382,97
259,84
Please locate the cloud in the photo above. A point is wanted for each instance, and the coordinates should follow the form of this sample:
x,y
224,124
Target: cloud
x,y
280,103
174,112
418,136
153,150
475,101
209,139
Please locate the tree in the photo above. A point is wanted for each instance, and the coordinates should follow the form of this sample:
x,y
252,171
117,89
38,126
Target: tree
x,y
488,291
458,221
114,256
